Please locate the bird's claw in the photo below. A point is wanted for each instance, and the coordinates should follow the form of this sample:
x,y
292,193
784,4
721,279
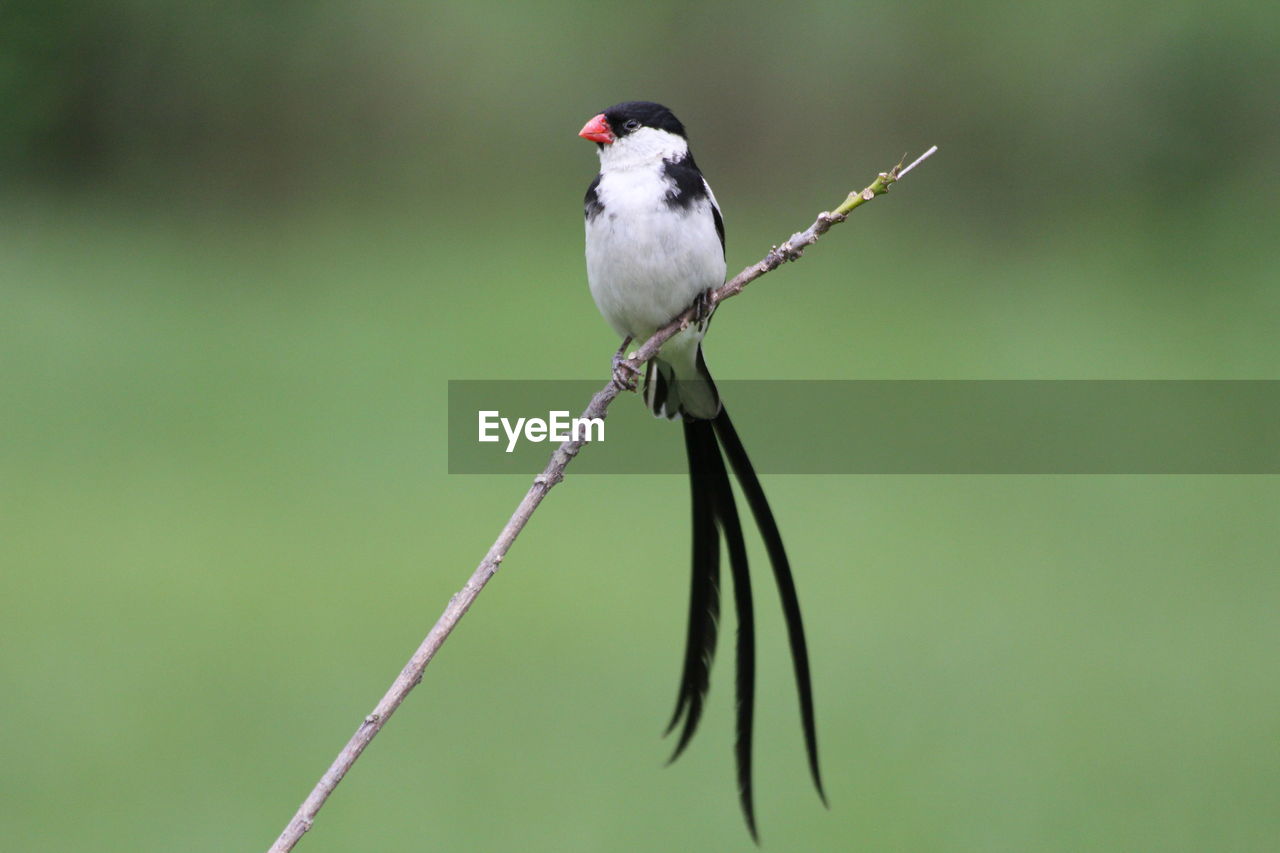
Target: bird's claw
x,y
625,374
703,308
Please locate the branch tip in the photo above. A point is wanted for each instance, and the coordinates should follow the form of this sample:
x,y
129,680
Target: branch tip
x,y
916,162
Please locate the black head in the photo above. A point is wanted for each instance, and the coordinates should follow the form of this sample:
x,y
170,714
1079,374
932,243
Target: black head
x,y
629,117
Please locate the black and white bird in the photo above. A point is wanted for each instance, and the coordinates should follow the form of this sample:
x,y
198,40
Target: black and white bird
x,y
655,246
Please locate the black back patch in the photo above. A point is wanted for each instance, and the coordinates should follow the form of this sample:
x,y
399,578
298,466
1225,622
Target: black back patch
x,y
689,187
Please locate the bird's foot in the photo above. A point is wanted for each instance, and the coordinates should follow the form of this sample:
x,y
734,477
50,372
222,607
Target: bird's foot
x,y
703,308
625,374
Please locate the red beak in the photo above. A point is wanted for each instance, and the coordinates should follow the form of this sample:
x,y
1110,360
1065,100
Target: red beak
x,y
597,130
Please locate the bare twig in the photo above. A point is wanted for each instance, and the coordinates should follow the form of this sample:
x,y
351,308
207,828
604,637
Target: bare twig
x,y
917,161
411,675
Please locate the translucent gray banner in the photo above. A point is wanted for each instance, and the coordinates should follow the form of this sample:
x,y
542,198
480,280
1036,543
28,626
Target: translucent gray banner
x,y
891,427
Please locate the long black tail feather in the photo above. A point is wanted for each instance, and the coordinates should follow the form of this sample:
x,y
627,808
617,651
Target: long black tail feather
x,y
714,511
754,493
704,589
727,515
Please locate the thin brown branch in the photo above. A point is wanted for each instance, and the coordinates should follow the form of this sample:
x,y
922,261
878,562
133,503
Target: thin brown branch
x,y
460,603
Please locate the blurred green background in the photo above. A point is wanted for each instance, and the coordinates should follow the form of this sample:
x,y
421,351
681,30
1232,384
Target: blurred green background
x,y
243,247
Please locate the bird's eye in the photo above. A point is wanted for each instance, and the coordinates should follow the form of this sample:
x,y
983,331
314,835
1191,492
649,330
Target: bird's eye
x,y
632,124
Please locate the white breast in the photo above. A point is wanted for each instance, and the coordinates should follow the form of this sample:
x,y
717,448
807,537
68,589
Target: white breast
x,y
646,261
